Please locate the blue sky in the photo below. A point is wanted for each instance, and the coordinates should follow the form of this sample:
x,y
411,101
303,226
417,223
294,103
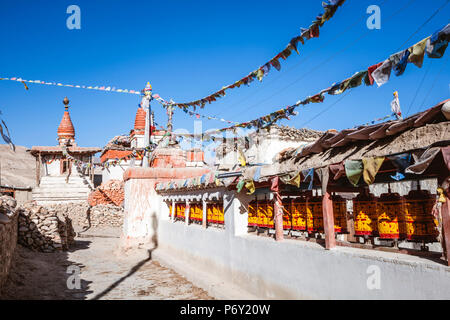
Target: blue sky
x,y
189,49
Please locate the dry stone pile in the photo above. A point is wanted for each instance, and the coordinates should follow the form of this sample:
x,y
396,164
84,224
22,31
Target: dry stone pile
x,y
8,235
110,192
106,215
77,212
41,229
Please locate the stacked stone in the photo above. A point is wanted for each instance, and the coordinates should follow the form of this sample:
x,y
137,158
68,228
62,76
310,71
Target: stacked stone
x,y
8,235
106,215
110,192
103,215
77,212
44,230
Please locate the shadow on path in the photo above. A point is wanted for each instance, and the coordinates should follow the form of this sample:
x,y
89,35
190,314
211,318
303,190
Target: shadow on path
x,y
130,273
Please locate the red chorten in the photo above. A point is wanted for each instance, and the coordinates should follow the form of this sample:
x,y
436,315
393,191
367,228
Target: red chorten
x,y
66,129
139,122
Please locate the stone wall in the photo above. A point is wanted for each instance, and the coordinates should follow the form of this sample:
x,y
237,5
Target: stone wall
x,y
83,216
8,235
44,230
106,216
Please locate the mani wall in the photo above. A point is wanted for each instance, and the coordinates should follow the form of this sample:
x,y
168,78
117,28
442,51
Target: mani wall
x,y
265,268
288,269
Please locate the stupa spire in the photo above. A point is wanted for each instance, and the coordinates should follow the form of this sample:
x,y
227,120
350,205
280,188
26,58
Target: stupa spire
x,y
66,131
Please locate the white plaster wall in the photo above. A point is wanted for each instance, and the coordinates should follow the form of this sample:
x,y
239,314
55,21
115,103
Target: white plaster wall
x,y
403,188
115,172
268,148
263,152
142,207
54,168
294,269
138,141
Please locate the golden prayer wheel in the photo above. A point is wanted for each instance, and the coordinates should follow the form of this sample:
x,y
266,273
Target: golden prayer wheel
x,y
298,210
391,216
215,213
421,225
340,214
180,209
209,213
315,214
219,213
196,212
253,214
265,214
287,214
261,214
192,213
366,215
170,209
200,212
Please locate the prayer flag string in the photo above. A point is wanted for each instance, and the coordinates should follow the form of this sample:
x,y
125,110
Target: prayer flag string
x,y
58,84
312,32
434,45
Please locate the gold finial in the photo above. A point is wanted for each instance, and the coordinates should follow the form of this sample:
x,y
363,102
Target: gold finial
x,y
66,103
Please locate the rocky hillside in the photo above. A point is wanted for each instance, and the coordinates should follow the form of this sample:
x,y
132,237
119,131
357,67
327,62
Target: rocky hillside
x,y
17,168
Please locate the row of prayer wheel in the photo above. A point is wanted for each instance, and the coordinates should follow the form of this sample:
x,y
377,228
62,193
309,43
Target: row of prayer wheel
x,y
394,217
300,214
214,212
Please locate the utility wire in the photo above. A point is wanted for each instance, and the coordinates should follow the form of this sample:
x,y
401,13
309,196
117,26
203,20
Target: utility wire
x,y
418,89
327,60
415,32
426,73
431,89
423,24
287,70
325,110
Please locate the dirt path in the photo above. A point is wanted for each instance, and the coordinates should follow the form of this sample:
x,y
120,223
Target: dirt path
x,y
104,273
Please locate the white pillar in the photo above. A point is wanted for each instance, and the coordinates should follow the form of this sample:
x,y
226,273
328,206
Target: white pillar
x,y
186,213
172,214
236,219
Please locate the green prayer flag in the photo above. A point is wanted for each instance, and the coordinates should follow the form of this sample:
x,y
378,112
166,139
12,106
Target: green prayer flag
x,y
240,185
354,170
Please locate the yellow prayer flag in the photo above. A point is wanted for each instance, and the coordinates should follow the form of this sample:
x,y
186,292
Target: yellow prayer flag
x,y
242,159
371,167
295,181
250,187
